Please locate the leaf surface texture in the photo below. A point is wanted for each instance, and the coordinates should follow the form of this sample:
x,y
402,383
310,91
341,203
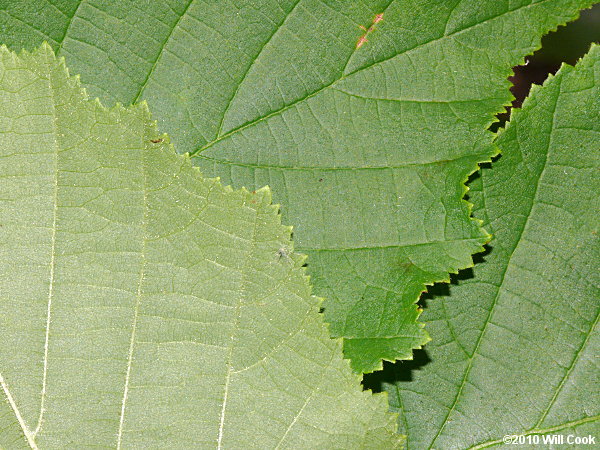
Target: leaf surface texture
x,y
144,306
366,148
515,346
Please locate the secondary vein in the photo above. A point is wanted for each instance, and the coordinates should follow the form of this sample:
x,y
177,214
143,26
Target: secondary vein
x,y
11,401
231,346
344,76
230,102
497,296
64,36
160,53
137,301
52,260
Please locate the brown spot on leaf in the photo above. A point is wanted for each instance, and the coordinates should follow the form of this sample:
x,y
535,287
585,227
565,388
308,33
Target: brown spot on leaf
x,y
361,41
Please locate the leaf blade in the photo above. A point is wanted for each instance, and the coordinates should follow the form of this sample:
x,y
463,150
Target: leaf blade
x,y
524,325
365,147
179,314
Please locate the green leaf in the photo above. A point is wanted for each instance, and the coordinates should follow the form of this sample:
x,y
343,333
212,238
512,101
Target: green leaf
x,y
515,345
143,306
366,147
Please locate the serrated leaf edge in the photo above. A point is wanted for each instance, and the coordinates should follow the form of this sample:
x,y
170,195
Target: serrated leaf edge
x,y
264,195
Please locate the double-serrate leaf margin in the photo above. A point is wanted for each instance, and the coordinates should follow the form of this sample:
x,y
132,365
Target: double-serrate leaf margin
x,y
142,305
365,146
515,348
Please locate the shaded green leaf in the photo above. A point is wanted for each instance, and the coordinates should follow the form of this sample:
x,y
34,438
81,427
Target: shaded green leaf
x,y
143,306
515,345
366,147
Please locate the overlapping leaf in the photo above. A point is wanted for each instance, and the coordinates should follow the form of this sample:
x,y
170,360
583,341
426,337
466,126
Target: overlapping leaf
x,y
366,146
515,347
143,306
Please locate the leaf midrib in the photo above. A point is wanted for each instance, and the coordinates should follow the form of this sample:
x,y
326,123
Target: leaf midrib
x,y
342,168
499,288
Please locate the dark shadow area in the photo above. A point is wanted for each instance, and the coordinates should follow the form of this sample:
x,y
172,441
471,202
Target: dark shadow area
x,y
403,370
398,371
438,290
474,176
478,258
486,165
565,45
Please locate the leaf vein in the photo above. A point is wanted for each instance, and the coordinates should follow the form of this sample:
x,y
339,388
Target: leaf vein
x,y
28,434
160,53
52,257
64,36
568,372
236,326
251,65
137,301
342,77
489,317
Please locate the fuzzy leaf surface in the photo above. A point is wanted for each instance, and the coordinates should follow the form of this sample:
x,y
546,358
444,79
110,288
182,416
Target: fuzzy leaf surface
x,y
515,344
144,306
366,148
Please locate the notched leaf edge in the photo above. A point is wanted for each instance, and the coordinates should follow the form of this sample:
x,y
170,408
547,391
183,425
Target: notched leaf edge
x,y
262,195
487,237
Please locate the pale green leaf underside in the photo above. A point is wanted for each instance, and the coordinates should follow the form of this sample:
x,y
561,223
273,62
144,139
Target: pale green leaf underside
x,y
515,348
143,306
366,149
